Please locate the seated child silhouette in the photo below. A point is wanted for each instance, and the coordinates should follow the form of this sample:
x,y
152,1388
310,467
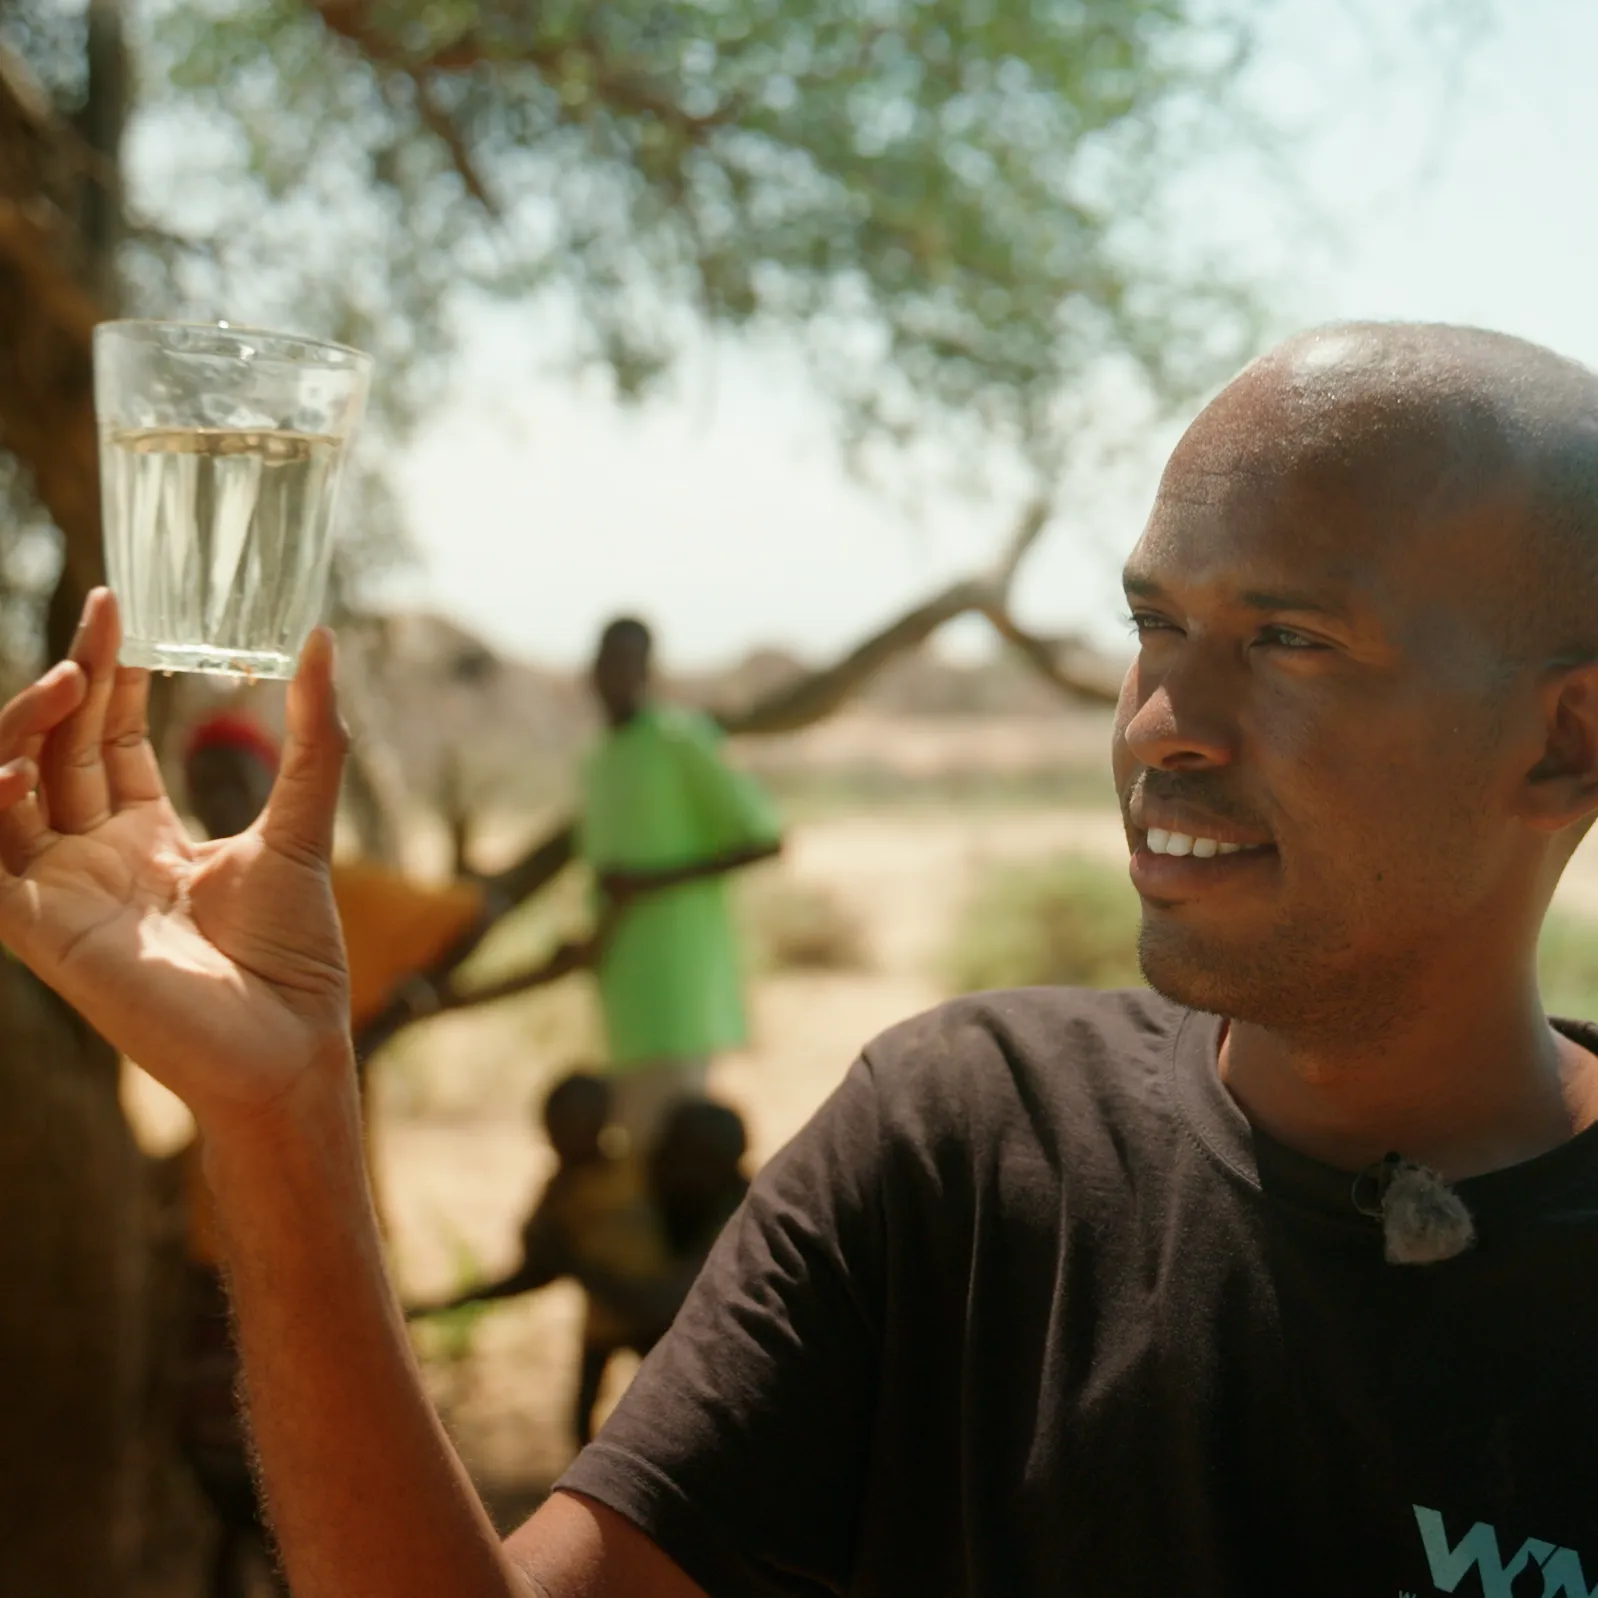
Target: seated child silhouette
x,y
633,1235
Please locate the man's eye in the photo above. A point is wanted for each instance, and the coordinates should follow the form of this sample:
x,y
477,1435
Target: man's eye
x,y
1144,622
1287,638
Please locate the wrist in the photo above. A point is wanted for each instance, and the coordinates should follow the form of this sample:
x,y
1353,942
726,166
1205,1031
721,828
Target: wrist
x,y
319,1108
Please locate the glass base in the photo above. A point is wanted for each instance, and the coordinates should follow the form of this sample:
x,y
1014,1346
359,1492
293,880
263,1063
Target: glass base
x,y
212,659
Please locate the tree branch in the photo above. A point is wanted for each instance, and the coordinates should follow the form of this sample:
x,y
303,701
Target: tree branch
x,y
798,704
618,85
441,125
457,815
1028,530
1076,671
162,238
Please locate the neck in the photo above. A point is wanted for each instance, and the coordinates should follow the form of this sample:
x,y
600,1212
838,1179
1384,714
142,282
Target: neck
x,y
1470,1082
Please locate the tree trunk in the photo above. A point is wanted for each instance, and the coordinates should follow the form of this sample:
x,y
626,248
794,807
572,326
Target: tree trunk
x,y
47,321
73,1337
94,1499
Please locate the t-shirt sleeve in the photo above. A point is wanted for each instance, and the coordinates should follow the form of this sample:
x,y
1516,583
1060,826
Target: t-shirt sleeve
x,y
741,1447
730,808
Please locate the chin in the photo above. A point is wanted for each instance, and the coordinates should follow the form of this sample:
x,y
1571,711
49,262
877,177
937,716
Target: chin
x,y
1275,982
1186,988
1239,985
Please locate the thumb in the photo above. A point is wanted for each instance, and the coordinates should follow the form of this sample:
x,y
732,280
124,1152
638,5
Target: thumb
x,y
299,816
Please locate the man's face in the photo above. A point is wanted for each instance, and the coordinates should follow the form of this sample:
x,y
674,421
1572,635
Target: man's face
x,y
1316,700
621,677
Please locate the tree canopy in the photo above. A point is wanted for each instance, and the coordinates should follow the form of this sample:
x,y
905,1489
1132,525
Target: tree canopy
x,y
954,206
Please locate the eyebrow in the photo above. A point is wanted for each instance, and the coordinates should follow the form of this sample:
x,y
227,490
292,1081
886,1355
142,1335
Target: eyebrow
x,y
1250,599
1257,599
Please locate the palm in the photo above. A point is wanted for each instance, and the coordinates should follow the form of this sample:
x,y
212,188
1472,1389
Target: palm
x,y
215,963
219,967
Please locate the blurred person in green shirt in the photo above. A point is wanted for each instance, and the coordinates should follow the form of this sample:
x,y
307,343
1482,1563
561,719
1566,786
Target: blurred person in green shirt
x,y
664,820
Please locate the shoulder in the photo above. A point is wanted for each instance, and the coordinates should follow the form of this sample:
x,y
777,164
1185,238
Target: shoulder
x,y
682,727
1048,1058
1045,1027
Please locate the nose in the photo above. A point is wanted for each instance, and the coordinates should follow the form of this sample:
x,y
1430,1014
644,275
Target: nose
x,y
1177,715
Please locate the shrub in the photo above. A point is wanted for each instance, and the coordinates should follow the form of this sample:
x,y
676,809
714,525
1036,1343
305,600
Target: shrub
x,y
1068,920
794,925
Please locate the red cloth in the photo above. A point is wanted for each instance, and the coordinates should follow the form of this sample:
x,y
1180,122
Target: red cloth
x,y
227,729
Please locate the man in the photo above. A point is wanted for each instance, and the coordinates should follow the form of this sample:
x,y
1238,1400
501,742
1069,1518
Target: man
x,y
664,821
1061,1292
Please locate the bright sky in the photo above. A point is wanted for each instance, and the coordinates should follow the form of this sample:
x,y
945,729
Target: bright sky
x,y
1451,192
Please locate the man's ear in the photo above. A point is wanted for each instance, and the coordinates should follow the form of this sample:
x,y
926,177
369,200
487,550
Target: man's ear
x,y
1561,789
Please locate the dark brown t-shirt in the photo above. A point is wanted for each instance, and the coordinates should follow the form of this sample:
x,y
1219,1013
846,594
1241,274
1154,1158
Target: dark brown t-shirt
x,y
1029,1309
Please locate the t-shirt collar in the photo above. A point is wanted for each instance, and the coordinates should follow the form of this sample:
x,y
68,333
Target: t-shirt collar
x,y
1266,1165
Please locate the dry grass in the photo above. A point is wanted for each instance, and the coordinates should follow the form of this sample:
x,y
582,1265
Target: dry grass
x,y
1069,920
792,924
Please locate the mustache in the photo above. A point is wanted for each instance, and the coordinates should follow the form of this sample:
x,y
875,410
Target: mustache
x,y
1203,790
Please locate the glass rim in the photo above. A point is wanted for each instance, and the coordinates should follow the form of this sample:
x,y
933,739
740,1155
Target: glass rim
x,y
133,324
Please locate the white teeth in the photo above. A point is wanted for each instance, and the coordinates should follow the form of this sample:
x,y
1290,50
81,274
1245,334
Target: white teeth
x,y
1179,844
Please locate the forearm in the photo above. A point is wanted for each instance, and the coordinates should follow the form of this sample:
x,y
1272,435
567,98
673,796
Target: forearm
x,y
364,1489
697,870
513,1286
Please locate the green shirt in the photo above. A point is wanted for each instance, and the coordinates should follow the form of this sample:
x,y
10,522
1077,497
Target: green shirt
x,y
656,795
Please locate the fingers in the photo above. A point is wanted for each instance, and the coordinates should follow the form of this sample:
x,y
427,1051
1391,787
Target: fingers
x,y
24,723
39,709
131,768
77,790
23,832
18,778
300,814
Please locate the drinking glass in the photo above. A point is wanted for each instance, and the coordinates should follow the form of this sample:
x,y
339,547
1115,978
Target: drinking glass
x,y
221,452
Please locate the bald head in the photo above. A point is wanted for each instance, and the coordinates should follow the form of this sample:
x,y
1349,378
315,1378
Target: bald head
x,y
1428,427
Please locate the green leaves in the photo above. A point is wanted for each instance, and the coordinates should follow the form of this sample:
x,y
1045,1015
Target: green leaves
x,y
953,205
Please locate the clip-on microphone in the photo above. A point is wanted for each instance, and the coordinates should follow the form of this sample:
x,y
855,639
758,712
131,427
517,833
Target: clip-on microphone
x,y
1423,1219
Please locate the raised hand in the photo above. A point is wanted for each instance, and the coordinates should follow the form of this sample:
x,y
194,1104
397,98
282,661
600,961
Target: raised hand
x,y
218,967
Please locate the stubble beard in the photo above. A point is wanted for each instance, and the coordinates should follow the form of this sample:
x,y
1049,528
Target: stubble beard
x,y
1290,982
